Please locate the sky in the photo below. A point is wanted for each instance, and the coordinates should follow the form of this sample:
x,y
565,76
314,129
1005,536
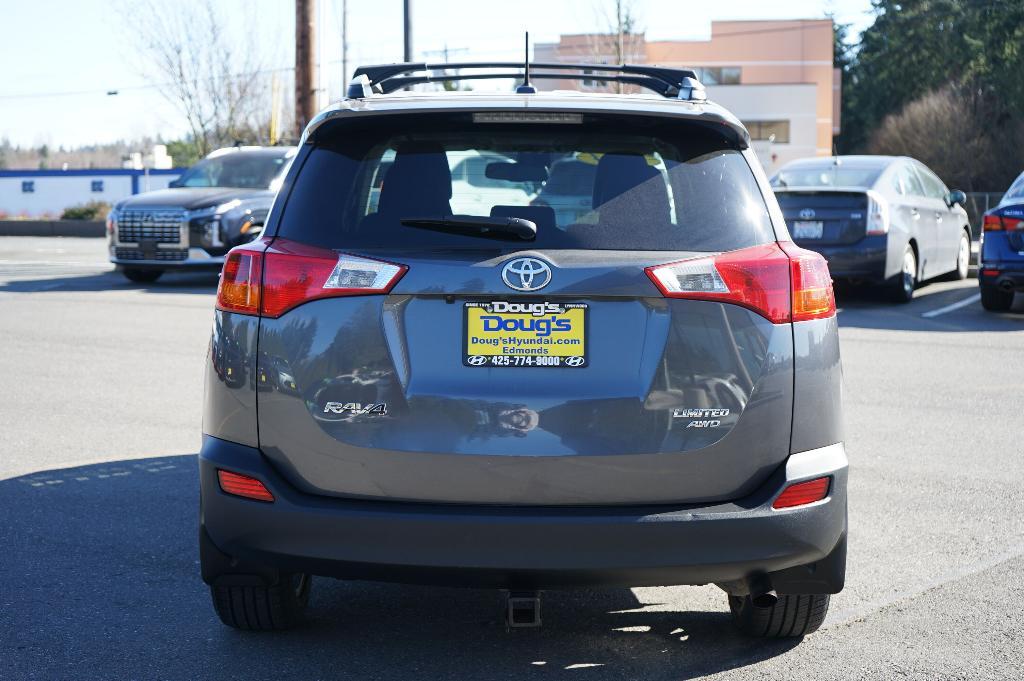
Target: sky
x,y
60,57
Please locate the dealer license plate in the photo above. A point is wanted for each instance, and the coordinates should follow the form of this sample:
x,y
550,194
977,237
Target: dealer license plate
x,y
501,333
808,229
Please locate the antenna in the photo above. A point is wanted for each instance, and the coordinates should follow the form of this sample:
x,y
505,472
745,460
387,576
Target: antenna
x,y
526,88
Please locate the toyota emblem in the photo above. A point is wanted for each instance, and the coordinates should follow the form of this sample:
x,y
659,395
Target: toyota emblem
x,y
526,274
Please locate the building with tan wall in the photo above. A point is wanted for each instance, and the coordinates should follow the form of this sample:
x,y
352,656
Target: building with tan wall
x,y
776,76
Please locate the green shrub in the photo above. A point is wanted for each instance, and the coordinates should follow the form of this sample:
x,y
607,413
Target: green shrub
x,y
93,210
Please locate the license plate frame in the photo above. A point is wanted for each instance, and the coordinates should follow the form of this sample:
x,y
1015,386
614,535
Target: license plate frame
x,y
808,229
564,355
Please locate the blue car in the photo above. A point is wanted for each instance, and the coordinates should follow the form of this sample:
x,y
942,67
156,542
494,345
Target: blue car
x,y
1001,260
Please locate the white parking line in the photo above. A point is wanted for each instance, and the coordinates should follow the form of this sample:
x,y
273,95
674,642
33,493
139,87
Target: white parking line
x,y
955,306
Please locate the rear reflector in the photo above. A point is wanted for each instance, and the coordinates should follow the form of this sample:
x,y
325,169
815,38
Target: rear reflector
x,y
801,493
243,486
272,279
781,282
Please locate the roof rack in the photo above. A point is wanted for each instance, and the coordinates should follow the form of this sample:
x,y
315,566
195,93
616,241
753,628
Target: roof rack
x,y
384,78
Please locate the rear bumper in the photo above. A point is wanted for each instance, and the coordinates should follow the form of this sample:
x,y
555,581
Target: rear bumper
x,y
864,260
799,550
1006,277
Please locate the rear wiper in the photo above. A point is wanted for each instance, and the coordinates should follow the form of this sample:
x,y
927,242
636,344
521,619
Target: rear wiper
x,y
478,225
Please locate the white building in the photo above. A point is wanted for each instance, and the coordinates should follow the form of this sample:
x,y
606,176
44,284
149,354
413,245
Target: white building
x,y
46,193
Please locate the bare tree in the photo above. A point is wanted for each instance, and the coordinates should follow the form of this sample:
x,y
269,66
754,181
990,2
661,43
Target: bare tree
x,y
622,42
954,132
213,76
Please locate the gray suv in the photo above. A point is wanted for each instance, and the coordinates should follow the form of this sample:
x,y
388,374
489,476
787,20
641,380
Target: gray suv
x,y
218,203
644,394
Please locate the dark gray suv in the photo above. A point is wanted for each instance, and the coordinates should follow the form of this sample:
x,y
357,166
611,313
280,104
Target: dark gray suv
x,y
644,394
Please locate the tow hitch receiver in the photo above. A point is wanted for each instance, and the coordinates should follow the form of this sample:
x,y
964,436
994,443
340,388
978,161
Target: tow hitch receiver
x,y
523,609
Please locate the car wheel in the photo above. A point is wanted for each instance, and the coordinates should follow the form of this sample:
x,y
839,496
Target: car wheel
x,y
791,616
263,608
903,284
963,256
142,276
995,299
963,259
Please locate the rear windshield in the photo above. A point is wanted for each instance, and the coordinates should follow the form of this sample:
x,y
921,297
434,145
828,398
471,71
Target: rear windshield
x,y
829,175
1015,192
599,183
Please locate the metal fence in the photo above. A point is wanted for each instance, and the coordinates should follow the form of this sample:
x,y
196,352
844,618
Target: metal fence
x,y
977,204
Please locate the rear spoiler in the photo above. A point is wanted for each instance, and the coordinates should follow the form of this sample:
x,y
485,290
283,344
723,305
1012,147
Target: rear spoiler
x,y
714,118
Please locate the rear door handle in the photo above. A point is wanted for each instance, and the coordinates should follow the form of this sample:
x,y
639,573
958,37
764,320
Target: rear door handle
x,y
915,214
938,216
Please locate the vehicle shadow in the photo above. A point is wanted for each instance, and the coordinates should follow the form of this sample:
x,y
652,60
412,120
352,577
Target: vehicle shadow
x,y
870,308
101,577
170,282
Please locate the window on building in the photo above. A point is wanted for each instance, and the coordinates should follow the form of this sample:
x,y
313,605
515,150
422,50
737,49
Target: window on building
x,y
719,75
763,130
97,185
28,187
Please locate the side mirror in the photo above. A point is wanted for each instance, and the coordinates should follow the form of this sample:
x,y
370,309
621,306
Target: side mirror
x,y
956,197
174,184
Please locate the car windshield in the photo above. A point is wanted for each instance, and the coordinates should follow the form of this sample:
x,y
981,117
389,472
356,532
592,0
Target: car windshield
x,y
234,169
827,175
650,185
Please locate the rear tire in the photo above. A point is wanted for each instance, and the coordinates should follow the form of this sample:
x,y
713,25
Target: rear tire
x,y
142,276
963,259
995,299
791,616
901,288
263,608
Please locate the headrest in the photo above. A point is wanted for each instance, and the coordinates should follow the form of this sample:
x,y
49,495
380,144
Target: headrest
x,y
419,181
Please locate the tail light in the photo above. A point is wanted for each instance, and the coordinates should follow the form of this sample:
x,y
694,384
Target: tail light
x,y
781,282
878,215
996,223
265,279
239,288
992,223
802,493
243,486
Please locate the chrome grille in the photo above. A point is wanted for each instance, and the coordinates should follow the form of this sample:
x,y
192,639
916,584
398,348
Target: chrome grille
x,y
161,226
161,254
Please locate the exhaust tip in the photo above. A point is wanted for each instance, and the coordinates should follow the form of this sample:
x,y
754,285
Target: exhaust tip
x,y
766,599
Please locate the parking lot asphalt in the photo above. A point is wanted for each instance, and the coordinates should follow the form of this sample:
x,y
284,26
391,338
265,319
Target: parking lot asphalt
x,y
101,406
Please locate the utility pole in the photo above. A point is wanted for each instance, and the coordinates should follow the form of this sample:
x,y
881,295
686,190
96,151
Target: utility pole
x,y
406,4
305,63
344,47
620,46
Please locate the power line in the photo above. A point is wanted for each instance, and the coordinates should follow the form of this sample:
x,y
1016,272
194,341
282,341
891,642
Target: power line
x,y
134,88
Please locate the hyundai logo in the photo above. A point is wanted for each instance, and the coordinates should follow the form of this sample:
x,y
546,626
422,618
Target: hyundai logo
x,y
526,274
476,360
807,214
